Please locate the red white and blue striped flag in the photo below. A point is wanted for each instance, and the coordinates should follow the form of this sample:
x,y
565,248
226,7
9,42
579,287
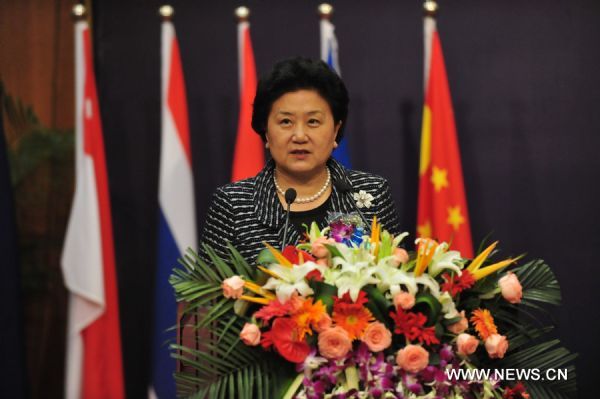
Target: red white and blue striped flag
x,y
329,54
94,363
177,216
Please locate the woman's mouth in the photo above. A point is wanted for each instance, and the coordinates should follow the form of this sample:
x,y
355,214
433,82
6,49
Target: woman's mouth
x,y
300,154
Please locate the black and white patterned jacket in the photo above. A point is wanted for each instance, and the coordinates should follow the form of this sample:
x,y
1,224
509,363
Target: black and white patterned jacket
x,y
248,212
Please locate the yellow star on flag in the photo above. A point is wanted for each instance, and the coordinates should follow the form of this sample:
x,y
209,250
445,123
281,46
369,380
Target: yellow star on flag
x,y
439,178
455,217
424,230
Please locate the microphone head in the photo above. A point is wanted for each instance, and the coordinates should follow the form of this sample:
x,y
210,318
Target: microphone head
x,y
290,196
342,185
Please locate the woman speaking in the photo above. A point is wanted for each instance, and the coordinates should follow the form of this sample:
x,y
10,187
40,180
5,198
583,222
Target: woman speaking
x,y
300,110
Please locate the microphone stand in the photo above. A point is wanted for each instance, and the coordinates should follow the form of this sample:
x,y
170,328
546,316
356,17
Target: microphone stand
x,y
290,197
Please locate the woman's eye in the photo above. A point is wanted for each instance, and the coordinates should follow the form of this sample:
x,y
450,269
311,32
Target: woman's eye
x,y
285,122
314,122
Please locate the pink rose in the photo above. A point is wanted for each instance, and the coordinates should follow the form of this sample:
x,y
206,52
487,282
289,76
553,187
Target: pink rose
x,y
404,300
233,287
400,256
511,288
318,249
334,343
323,324
496,346
250,334
412,358
466,344
460,326
377,337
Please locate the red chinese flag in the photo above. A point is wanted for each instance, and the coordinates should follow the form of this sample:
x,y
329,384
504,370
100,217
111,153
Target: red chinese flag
x,y
442,208
249,156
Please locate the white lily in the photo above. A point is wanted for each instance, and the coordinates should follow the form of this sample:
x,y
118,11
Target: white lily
x,y
444,259
448,306
391,278
429,282
290,279
353,276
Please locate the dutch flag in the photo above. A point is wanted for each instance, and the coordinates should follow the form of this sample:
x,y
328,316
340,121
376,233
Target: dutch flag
x,y
177,216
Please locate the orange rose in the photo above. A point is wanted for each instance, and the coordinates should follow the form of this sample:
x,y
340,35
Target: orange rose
x,y
511,288
233,287
412,358
377,337
466,344
460,326
404,300
250,334
323,324
496,346
334,343
400,256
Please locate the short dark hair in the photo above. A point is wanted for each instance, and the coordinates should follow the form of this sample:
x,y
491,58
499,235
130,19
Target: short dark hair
x,y
295,74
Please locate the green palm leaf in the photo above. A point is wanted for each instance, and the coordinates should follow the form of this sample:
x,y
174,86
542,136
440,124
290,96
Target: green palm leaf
x,y
221,365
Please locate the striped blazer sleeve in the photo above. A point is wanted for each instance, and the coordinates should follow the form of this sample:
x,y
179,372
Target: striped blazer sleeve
x,y
218,226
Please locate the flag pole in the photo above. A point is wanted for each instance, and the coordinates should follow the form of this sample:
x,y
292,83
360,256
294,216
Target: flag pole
x,y
242,14
325,10
78,12
430,7
166,12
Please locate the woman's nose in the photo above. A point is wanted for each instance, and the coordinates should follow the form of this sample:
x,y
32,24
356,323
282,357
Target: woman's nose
x,y
299,133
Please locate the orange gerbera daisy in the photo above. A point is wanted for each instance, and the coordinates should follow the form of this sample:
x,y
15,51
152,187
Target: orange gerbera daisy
x,y
308,314
484,323
352,317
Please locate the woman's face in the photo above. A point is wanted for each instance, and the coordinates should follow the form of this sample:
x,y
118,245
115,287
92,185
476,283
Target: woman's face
x,y
301,132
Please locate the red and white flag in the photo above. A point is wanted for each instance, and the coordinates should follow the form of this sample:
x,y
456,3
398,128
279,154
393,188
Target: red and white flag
x,y
442,209
249,155
94,365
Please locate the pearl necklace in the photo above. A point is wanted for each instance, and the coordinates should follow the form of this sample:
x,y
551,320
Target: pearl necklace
x,y
306,200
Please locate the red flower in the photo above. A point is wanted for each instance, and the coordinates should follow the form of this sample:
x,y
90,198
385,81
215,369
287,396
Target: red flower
x,y
273,309
345,299
286,339
314,275
456,284
412,326
292,254
516,392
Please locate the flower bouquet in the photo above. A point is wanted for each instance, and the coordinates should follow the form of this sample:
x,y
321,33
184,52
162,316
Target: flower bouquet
x,y
352,315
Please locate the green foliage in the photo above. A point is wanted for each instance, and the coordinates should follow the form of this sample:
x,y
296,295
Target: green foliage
x,y
221,365
528,349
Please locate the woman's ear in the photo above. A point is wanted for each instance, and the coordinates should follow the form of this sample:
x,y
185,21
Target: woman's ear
x,y
337,130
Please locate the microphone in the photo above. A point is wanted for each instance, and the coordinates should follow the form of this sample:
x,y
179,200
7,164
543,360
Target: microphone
x,y
344,188
290,197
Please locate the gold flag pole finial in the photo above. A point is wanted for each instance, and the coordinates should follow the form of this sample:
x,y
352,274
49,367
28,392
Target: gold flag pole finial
x,y
242,14
78,12
325,10
166,12
430,7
